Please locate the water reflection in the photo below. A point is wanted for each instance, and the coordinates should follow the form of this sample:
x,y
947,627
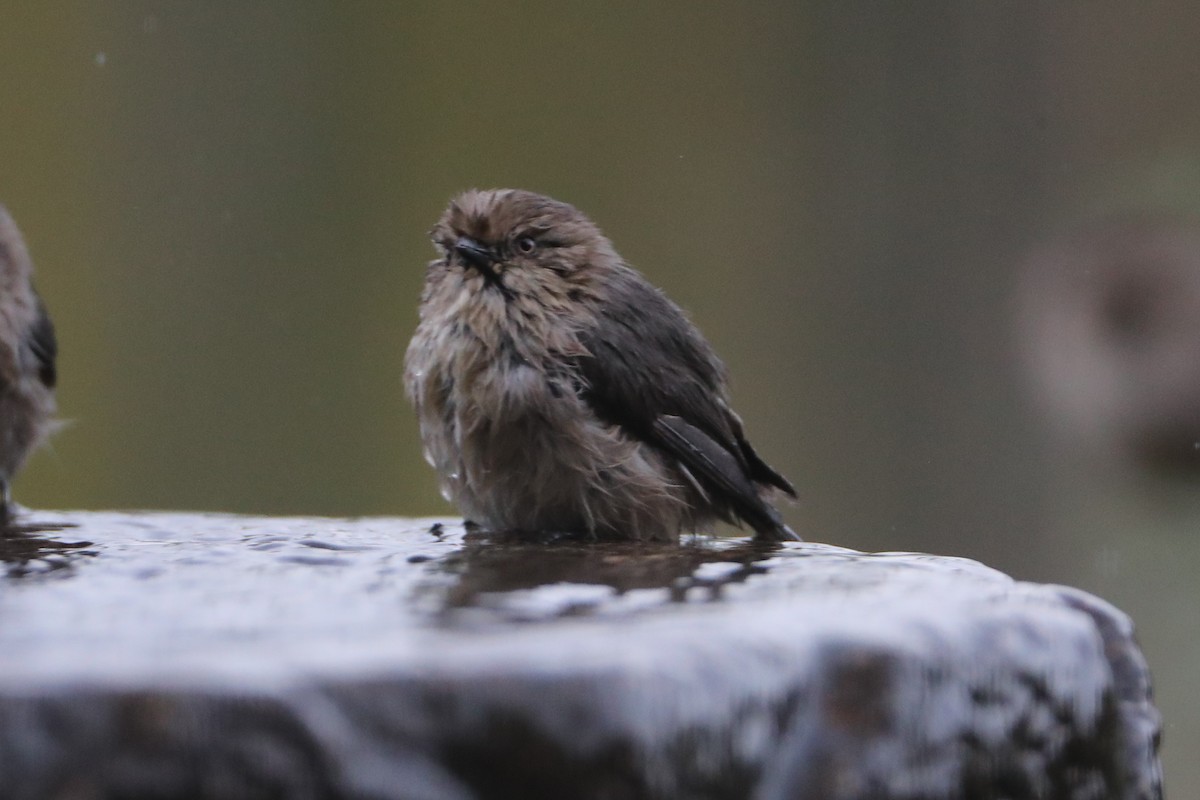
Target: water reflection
x,y
28,549
561,576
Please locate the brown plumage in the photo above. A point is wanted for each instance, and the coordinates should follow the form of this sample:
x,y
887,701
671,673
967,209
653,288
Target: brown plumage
x,y
559,391
27,354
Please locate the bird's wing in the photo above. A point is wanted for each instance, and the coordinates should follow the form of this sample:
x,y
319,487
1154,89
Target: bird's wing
x,y
41,344
652,373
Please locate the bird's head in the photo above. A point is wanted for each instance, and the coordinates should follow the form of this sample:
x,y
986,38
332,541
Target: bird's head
x,y
520,242
15,265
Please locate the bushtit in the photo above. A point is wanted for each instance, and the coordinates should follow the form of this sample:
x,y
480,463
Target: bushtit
x,y
559,391
27,352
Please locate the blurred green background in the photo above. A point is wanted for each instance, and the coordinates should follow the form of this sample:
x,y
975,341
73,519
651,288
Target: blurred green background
x,y
227,204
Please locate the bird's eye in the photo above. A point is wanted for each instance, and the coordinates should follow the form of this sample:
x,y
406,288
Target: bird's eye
x,y
526,245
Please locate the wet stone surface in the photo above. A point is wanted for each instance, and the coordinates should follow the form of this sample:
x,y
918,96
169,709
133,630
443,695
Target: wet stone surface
x,y
192,656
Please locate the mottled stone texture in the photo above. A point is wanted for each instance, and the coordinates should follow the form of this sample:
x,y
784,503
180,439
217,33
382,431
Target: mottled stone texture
x,y
188,656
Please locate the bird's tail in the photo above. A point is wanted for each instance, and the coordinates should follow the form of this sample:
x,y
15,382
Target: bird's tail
x,y
777,531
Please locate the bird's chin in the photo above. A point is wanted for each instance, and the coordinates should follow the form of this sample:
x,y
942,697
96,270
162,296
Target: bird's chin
x,y
489,281
473,287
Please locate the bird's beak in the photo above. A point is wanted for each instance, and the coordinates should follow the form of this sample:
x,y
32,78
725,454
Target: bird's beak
x,y
474,254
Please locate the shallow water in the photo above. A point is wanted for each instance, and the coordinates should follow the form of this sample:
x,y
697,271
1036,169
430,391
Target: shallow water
x,y
379,641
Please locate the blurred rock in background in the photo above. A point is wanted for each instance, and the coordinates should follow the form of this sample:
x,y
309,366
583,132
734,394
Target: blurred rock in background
x,y
1109,325
1112,327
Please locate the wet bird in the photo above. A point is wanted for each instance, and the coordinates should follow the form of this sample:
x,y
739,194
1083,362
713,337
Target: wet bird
x,y
27,353
557,390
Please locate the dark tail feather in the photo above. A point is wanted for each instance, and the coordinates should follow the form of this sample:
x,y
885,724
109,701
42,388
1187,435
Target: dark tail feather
x,y
777,532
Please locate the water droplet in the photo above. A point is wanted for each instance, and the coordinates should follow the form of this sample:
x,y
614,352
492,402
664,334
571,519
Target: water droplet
x,y
100,59
428,457
446,495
